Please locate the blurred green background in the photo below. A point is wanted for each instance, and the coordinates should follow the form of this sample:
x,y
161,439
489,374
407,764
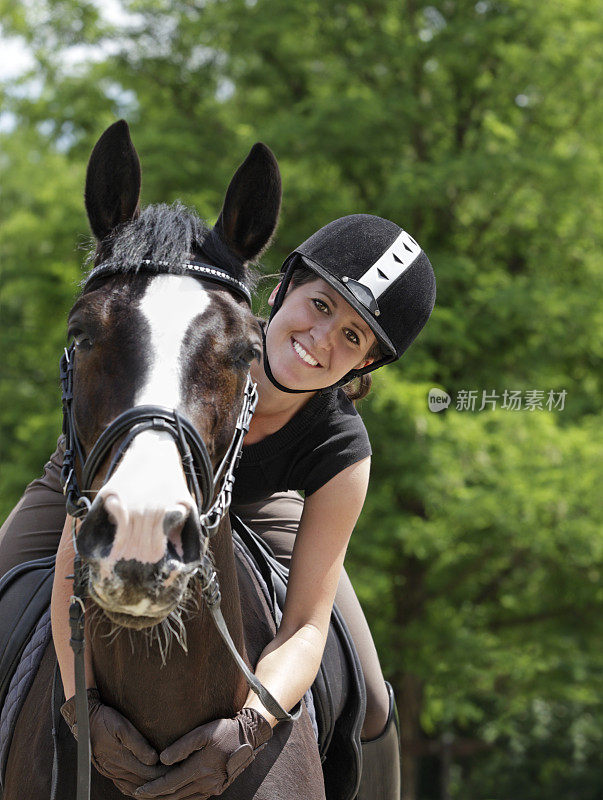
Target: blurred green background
x,y
476,126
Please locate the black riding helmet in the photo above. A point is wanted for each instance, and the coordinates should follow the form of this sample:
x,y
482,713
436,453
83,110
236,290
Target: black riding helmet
x,y
379,270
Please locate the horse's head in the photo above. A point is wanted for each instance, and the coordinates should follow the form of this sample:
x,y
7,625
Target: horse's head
x,y
148,333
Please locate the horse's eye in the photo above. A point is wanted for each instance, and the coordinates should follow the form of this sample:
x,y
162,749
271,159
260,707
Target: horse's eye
x,y
82,341
247,354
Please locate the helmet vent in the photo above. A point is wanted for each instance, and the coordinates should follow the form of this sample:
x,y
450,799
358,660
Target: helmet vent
x,y
393,263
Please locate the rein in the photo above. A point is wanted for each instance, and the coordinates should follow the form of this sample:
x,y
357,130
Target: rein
x,y
212,492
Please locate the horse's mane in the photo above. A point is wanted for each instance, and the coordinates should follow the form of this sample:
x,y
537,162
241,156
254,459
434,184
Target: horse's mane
x,y
168,235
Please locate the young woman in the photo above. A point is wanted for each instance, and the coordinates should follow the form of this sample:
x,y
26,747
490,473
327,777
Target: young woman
x,y
352,298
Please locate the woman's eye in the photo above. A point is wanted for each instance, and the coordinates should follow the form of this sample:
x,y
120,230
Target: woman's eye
x,y
352,337
320,304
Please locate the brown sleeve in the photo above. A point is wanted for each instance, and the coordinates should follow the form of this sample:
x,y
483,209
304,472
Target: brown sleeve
x,y
34,526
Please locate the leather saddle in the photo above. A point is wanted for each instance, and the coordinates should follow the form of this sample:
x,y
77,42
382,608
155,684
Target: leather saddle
x,y
338,691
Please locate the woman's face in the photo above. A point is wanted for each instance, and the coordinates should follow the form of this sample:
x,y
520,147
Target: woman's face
x,y
316,337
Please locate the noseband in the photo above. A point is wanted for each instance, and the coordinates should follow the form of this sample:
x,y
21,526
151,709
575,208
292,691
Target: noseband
x,y
212,502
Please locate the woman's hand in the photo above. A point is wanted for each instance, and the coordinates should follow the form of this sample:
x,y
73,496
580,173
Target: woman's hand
x,y
119,751
209,758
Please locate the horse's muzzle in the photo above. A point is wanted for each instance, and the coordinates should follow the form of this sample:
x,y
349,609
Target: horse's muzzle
x,y
139,595
132,590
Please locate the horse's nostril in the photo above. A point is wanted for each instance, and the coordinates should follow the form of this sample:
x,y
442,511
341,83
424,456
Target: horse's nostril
x,y
183,534
191,539
173,523
97,533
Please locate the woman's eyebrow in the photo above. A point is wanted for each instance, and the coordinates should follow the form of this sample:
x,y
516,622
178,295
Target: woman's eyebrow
x,y
329,295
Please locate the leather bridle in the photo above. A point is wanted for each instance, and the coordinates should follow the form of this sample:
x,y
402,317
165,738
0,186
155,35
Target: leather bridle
x,y
212,492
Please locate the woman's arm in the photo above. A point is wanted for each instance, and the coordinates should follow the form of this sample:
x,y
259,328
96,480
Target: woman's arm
x,y
62,589
289,664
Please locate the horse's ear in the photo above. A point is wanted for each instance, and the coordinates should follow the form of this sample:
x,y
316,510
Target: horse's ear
x,y
112,180
252,204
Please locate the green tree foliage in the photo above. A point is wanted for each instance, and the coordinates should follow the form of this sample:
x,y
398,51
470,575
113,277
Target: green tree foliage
x,y
43,224
476,126
479,563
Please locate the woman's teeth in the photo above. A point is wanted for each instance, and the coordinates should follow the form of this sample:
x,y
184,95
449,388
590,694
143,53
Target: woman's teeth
x,y
303,355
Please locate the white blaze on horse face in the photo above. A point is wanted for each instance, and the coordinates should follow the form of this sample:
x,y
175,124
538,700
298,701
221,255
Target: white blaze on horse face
x,y
149,481
169,305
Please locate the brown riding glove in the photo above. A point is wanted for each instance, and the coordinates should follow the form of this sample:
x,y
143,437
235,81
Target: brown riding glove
x,y
211,757
119,751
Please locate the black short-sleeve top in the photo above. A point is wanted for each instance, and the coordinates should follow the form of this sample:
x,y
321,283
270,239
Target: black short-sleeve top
x,y
322,439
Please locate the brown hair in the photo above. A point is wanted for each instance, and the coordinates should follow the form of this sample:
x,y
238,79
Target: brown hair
x,y
358,387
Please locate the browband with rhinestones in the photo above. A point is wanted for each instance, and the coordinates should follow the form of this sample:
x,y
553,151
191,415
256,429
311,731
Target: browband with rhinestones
x,y
197,269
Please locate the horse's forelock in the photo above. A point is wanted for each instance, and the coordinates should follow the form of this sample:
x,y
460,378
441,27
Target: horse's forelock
x,y
168,236
166,233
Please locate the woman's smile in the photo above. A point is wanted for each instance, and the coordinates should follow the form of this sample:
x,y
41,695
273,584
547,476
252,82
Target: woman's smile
x,y
303,354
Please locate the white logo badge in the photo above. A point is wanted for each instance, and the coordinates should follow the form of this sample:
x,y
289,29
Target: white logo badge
x,y
438,400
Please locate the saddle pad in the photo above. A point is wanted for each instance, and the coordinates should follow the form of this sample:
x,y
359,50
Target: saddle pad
x,y
24,596
21,684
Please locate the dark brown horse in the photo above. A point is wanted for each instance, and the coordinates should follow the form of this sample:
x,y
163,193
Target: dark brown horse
x,y
175,341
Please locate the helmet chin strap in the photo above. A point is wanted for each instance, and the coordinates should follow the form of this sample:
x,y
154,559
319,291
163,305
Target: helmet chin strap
x,y
270,376
266,364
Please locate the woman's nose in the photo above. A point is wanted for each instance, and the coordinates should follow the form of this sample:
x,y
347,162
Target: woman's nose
x,y
323,335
